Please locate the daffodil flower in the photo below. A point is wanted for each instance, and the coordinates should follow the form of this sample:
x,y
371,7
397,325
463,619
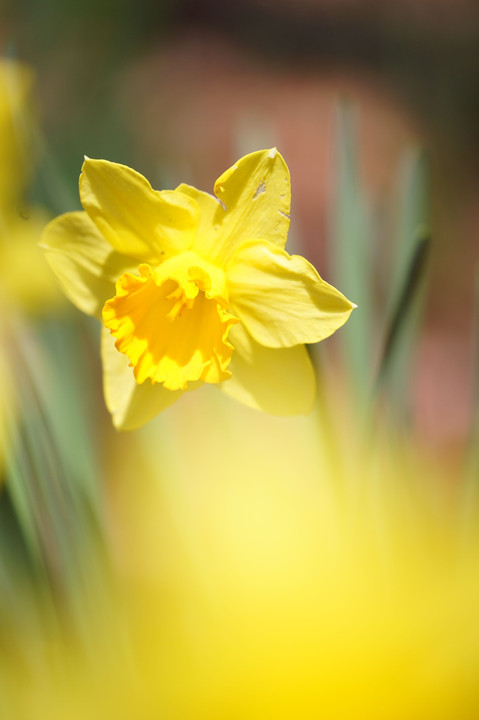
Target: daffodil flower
x,y
193,288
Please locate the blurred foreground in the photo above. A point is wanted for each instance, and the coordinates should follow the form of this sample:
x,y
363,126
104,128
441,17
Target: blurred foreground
x,y
260,568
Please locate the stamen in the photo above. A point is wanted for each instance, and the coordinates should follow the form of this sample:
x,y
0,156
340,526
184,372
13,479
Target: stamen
x,y
179,304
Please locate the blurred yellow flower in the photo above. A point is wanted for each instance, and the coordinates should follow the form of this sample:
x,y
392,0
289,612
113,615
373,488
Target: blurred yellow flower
x,y
15,128
26,283
193,288
349,593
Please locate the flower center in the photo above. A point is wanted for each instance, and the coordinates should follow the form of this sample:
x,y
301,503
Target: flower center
x,y
172,323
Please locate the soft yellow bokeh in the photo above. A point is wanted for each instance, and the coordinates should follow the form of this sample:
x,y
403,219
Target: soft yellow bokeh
x,y
27,286
15,132
26,282
259,576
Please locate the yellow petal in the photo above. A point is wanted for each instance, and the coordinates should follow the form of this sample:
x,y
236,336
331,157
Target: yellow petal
x,y
84,262
208,240
278,381
171,332
281,298
254,197
131,405
138,221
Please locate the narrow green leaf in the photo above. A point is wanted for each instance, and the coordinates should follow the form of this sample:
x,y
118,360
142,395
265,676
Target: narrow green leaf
x,y
352,254
408,273
405,304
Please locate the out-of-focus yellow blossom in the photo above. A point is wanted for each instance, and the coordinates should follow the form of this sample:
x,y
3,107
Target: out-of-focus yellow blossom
x,y
261,578
15,128
27,285
193,288
26,282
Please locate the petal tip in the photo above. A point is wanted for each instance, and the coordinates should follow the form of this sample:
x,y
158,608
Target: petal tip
x,y
86,161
